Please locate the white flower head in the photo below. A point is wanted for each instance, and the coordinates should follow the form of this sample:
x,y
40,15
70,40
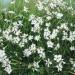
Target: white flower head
x,y
37,38
59,67
33,47
58,15
8,69
48,62
48,24
57,58
72,48
36,66
50,44
30,37
31,17
5,62
49,17
27,53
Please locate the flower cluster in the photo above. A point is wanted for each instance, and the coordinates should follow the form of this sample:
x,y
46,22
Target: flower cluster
x,y
43,40
5,62
59,60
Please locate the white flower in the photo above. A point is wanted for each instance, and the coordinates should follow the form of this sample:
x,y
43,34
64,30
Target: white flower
x,y
2,54
37,38
57,46
36,66
24,35
31,17
60,62
30,37
32,48
52,5
46,33
73,64
72,48
27,53
16,39
65,35
24,40
14,29
18,32
58,15
35,29
54,34
48,24
49,17
41,52
34,22
71,36
6,34
5,62
50,44
59,67
57,58
8,69
64,26
21,44
42,55
48,62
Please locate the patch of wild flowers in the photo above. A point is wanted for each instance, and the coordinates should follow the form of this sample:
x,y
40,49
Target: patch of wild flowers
x,y
41,42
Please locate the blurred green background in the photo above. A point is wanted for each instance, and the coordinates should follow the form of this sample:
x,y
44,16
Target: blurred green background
x,y
6,3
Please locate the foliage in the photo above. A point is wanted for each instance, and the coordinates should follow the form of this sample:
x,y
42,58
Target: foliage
x,y
37,38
